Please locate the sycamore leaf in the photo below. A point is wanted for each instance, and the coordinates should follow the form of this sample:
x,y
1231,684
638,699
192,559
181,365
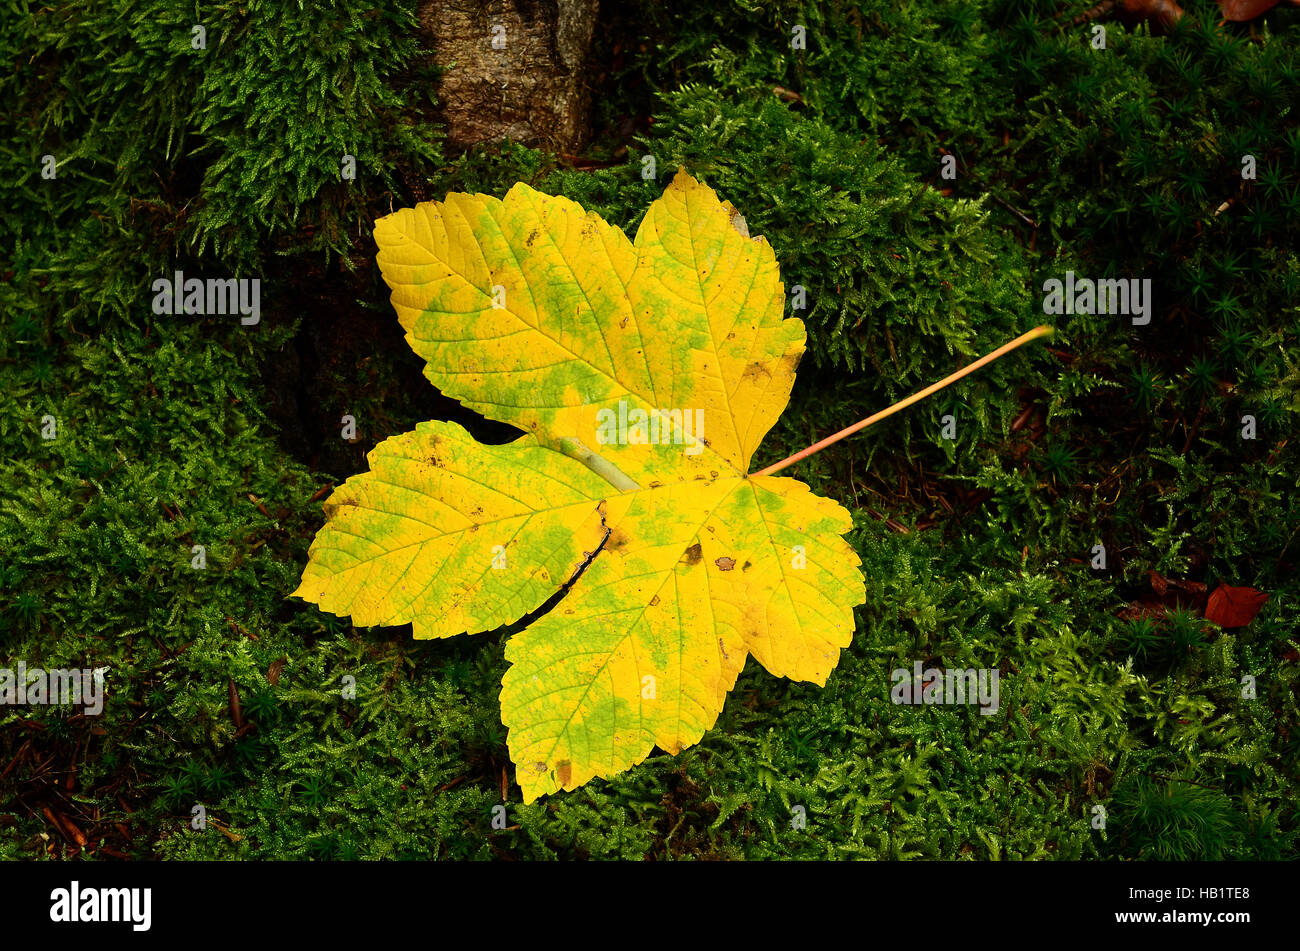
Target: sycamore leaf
x,y
412,540
535,313
644,374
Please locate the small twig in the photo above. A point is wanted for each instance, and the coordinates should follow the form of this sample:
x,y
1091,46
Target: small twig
x,y
1019,214
1196,423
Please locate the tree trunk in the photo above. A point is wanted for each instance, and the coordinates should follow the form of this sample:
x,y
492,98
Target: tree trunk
x,y
517,70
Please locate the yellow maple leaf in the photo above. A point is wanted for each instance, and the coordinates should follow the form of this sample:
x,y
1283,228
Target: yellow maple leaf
x,y
644,374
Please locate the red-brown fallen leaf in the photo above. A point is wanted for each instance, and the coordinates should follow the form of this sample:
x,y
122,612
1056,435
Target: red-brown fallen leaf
x,y
1176,591
1163,13
1023,418
1240,10
1160,14
77,835
1138,610
236,708
1234,607
1170,593
64,826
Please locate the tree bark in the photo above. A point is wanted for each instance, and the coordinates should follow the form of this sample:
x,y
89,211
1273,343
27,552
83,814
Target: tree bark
x,y
516,69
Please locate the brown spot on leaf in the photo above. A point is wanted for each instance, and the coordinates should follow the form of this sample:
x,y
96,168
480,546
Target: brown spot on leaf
x,y
790,361
617,540
754,371
724,563
746,566
693,554
654,600
331,507
563,772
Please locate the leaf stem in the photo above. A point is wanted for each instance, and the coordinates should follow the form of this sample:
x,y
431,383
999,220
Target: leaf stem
x,y
1041,331
598,464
